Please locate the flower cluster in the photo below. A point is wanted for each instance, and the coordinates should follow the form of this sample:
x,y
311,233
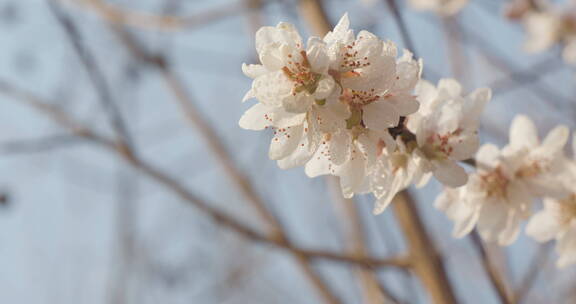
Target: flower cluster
x,y
348,105
546,25
502,192
440,7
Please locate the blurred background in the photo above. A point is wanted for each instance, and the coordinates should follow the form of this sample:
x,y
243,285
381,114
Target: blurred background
x,y
125,213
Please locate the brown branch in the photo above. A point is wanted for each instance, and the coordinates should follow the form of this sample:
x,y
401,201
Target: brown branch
x,y
426,261
373,291
58,116
493,274
43,144
95,74
537,265
122,16
393,6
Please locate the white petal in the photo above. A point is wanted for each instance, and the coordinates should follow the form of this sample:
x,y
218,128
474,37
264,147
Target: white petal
x,y
523,133
253,70
270,89
283,33
543,226
261,116
285,141
476,101
352,174
451,86
380,115
426,93
492,220
487,156
464,146
299,103
305,149
450,174
339,147
555,140
317,55
249,95
408,74
405,104
324,89
330,117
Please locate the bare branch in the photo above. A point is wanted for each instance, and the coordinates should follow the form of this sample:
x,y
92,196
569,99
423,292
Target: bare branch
x,y
493,274
536,267
122,16
95,74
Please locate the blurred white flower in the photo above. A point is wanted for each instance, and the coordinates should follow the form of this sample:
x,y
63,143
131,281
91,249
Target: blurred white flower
x,y
540,166
395,171
440,7
543,29
499,195
446,127
557,221
548,24
375,86
493,200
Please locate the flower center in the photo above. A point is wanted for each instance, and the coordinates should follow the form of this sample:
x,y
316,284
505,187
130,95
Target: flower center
x,y
351,61
495,183
438,146
532,169
300,73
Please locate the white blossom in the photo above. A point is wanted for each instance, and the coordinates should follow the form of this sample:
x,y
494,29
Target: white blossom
x,y
394,171
493,201
546,25
540,166
446,127
500,194
557,220
293,89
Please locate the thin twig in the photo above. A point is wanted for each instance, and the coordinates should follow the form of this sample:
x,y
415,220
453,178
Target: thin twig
x,y
44,144
393,5
536,267
94,73
427,263
147,21
373,290
61,118
493,274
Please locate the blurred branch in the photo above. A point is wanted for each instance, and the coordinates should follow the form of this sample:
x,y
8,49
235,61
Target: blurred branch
x,y
60,117
313,13
119,15
393,6
185,101
495,277
373,290
426,261
94,73
40,145
537,265
517,77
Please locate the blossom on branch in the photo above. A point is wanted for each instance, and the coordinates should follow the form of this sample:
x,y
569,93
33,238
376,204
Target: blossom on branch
x,y
501,193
